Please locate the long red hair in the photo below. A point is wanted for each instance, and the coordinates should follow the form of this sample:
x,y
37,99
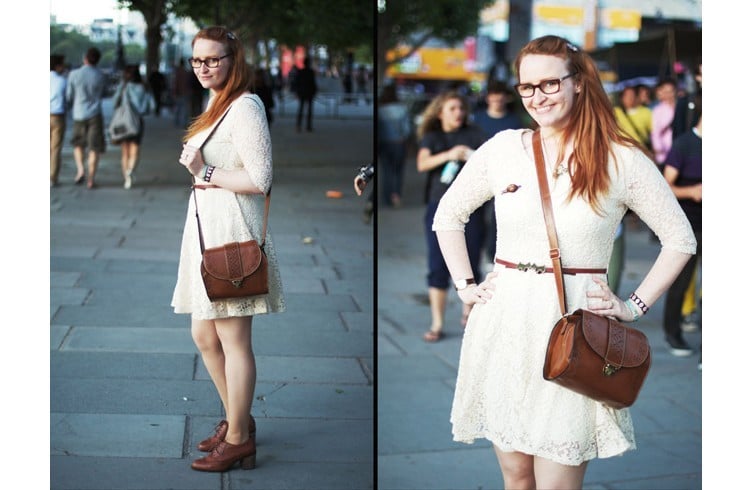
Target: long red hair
x,y
593,128
238,79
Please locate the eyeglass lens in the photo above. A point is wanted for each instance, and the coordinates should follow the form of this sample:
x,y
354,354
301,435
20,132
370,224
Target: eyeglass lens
x,y
548,87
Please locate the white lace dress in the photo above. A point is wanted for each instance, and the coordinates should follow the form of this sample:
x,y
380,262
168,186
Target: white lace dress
x,y
241,141
500,394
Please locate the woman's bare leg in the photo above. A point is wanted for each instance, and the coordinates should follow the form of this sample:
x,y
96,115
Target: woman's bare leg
x,y
517,468
240,374
554,476
209,345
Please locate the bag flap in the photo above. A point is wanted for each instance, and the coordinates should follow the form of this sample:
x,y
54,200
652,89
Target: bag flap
x,y
619,345
233,261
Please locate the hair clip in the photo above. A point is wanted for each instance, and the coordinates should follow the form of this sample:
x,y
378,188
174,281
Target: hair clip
x,y
572,48
231,36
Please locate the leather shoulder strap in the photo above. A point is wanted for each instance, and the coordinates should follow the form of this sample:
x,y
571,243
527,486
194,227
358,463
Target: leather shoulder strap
x,y
549,218
268,195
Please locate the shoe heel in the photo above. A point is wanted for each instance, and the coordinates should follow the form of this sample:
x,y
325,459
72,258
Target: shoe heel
x,y
248,463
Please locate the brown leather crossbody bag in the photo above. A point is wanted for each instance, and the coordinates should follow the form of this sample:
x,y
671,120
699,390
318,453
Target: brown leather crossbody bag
x,y
590,354
236,269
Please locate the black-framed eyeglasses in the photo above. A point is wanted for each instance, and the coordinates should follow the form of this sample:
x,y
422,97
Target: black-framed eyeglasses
x,y
548,87
209,62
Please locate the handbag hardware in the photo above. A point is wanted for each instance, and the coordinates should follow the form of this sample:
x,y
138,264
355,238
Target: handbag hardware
x,y
582,343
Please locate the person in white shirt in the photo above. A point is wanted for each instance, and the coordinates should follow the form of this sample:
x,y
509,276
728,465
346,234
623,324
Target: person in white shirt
x,y
57,84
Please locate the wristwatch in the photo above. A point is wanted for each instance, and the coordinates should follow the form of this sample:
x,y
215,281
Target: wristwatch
x,y
462,284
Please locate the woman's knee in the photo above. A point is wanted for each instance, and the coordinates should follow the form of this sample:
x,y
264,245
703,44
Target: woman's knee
x,y
204,335
517,469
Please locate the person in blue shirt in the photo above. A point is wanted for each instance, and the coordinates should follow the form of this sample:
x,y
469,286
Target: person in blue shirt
x,y
85,91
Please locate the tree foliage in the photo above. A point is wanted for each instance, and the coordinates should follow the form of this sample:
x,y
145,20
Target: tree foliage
x,y
339,25
73,46
413,22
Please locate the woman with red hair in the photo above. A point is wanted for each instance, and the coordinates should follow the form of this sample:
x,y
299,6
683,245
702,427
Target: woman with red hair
x,y
233,172
543,434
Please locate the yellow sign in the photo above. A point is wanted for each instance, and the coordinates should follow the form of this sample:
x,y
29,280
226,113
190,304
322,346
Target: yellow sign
x,y
621,19
434,64
559,14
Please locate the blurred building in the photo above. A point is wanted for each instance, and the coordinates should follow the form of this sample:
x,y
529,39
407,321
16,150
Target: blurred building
x,y
670,31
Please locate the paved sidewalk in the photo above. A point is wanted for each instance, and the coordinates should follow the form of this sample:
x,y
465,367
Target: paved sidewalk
x,y
130,396
416,380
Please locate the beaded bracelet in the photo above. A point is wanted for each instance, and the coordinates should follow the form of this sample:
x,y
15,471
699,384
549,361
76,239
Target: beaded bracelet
x,y
209,172
633,309
639,302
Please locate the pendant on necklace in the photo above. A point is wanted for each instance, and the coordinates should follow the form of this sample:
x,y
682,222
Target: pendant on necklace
x,y
559,170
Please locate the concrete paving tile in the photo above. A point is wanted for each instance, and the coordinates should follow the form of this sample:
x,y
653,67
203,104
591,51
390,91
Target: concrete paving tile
x,y
360,321
68,296
415,368
63,279
314,401
317,370
133,254
303,285
126,339
131,473
296,476
414,427
133,396
101,434
164,268
387,348
293,271
470,468
315,304
118,365
309,340
117,315
301,320
57,335
76,251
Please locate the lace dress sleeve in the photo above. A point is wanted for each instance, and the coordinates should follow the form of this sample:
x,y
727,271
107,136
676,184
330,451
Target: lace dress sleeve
x,y
648,194
468,192
252,140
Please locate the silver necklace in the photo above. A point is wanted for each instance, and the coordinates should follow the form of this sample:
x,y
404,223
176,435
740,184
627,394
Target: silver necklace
x,y
560,168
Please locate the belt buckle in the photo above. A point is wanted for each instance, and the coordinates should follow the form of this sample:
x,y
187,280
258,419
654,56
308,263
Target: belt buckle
x,y
539,269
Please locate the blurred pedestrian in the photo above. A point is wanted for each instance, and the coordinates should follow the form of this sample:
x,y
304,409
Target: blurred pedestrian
x,y
305,89
683,170
363,78
544,434
157,82
394,129
182,88
262,86
233,173
132,91
446,141
495,117
84,92
57,106
661,119
686,108
634,118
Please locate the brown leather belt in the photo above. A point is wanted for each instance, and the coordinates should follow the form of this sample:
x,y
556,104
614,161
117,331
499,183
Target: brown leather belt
x,y
205,186
540,269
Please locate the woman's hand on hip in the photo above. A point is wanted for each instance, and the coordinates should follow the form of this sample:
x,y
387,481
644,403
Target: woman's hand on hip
x,y
479,293
606,303
192,159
